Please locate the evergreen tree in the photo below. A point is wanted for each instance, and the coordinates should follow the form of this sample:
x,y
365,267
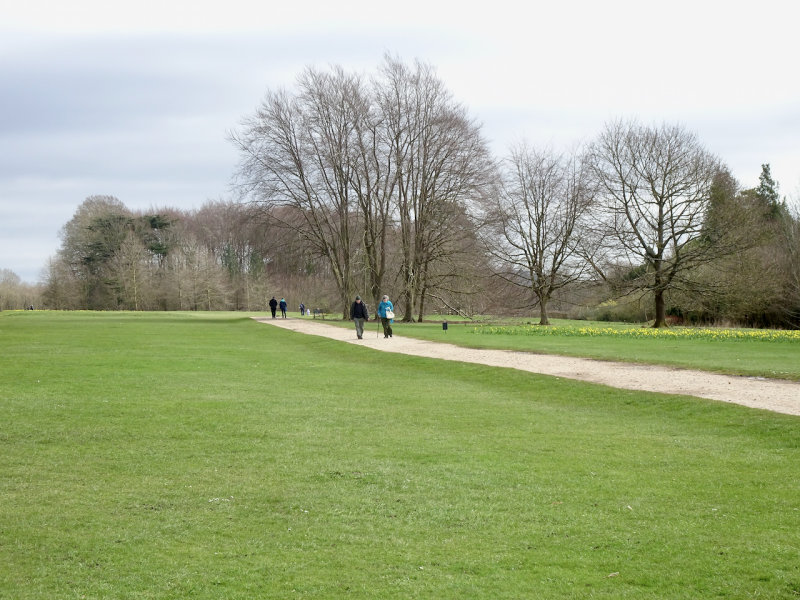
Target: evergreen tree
x,y
767,193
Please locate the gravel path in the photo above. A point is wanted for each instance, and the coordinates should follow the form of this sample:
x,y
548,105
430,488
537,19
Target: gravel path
x,y
756,392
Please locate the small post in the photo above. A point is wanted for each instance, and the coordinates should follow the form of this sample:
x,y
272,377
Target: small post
x,y
444,326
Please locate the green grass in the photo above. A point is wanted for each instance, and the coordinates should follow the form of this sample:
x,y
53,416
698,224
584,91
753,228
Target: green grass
x,y
736,352
209,456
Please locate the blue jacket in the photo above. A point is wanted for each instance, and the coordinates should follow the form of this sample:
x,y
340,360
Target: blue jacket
x,y
383,307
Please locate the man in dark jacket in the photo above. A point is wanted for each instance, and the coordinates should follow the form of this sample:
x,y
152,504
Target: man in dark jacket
x,y
273,306
359,314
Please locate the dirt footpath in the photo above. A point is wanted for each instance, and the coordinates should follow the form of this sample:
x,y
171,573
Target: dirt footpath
x,y
770,394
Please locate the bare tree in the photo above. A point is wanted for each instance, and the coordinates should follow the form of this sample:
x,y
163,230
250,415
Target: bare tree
x,y
296,153
132,272
238,239
456,279
534,223
62,291
202,283
442,163
339,161
374,181
655,185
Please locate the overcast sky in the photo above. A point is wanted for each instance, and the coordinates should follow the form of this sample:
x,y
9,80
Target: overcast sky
x,y
135,99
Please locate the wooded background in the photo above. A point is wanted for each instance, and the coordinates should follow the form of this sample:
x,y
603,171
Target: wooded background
x,y
383,184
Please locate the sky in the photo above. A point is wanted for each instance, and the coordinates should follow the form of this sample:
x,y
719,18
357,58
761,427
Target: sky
x,y
137,99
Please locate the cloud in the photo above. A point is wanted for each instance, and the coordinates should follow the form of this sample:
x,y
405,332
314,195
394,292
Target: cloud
x,y
142,117
134,99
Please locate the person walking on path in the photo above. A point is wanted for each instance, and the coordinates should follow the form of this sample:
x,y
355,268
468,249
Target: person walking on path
x,y
302,310
386,313
273,306
359,314
283,307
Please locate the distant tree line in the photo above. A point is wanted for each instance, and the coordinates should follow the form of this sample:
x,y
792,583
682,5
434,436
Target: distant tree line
x,y
16,295
219,257
353,184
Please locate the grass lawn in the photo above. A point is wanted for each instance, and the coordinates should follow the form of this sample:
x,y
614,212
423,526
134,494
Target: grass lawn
x,y
204,455
723,354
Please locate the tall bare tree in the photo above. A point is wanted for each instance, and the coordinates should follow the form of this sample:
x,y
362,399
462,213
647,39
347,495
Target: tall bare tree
x,y
655,184
340,163
534,227
374,181
296,153
442,164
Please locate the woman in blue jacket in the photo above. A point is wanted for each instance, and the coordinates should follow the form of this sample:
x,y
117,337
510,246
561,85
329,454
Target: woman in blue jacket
x,y
386,313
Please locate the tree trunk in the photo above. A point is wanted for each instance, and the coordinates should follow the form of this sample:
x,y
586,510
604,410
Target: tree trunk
x,y
543,320
661,317
423,291
409,298
347,299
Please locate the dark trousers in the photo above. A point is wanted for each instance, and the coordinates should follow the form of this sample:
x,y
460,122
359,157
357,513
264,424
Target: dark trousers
x,y
387,327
